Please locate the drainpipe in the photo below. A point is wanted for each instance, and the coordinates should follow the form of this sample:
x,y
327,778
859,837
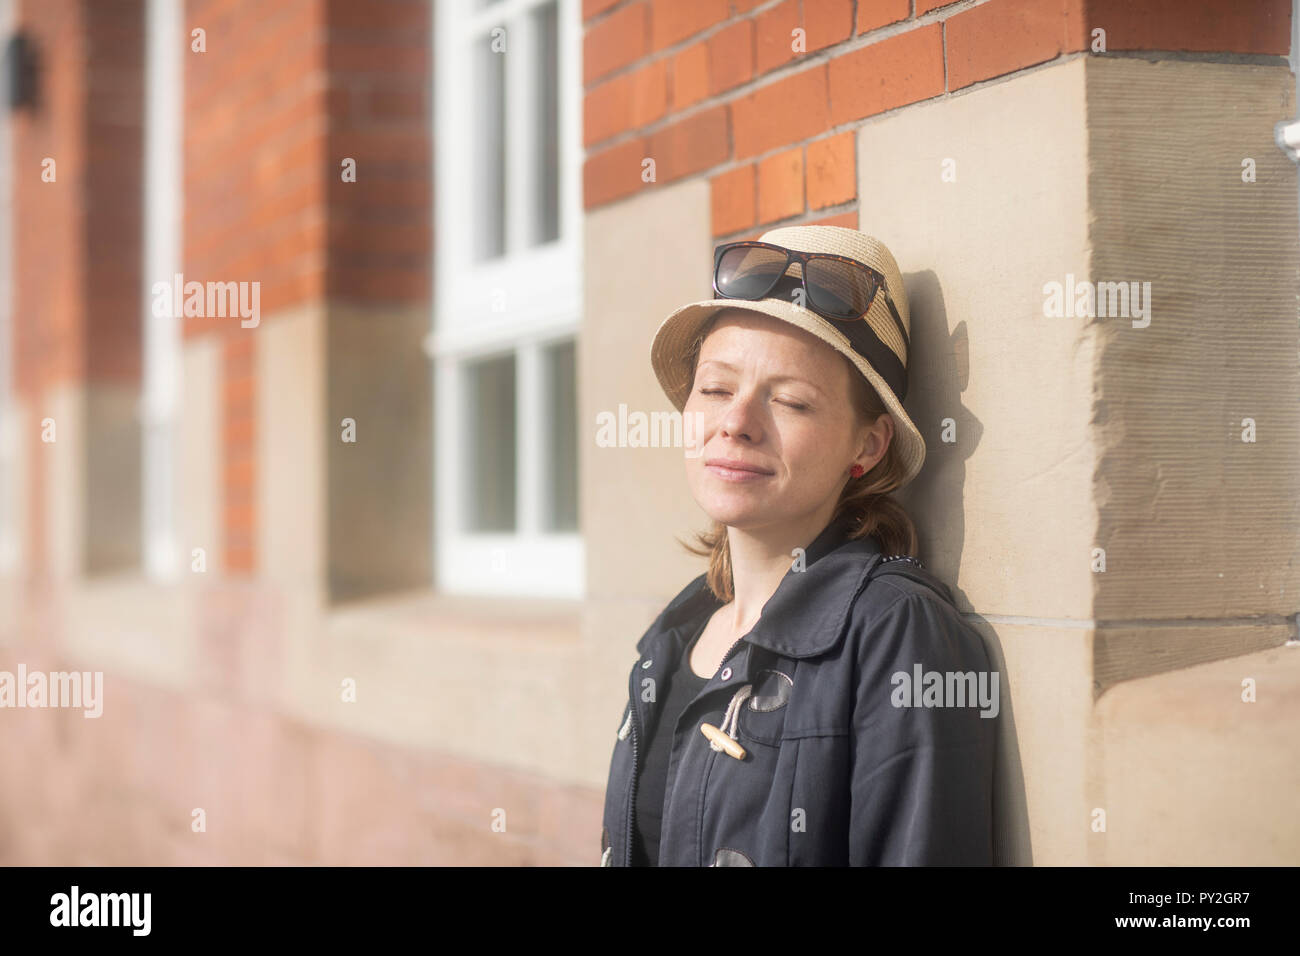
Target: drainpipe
x,y
1287,132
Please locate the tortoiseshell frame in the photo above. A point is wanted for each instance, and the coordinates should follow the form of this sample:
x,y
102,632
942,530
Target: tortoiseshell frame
x,y
877,280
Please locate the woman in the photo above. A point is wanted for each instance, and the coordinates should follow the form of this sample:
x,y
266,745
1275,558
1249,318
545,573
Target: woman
x,y
814,698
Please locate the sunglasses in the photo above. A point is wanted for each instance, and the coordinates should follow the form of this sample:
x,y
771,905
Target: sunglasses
x,y
835,287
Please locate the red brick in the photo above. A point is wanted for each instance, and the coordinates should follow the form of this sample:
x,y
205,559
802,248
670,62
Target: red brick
x,y
999,37
887,74
375,284
690,145
592,7
605,110
621,38
732,195
690,76
239,473
614,173
873,14
832,171
1262,26
744,6
827,22
649,94
780,186
396,104
849,220
774,35
787,111
411,59
238,431
925,6
393,18
731,56
238,393
672,21
239,559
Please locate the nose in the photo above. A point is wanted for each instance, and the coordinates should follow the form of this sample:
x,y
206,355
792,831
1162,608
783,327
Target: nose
x,y
741,419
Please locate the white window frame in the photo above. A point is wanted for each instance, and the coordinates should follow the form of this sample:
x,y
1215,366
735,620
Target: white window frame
x,y
163,199
538,292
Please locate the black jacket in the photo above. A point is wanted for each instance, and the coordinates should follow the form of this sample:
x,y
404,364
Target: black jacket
x,y
849,759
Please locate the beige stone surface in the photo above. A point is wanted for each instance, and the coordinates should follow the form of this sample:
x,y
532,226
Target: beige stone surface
x,y
1046,670
16,433
1011,387
198,446
291,477
1196,522
1192,775
122,789
378,491
65,478
114,477
645,257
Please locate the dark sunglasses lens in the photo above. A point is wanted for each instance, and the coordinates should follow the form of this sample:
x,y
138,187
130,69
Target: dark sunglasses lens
x,y
748,272
839,289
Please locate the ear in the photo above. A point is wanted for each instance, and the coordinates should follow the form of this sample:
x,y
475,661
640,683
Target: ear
x,y
874,441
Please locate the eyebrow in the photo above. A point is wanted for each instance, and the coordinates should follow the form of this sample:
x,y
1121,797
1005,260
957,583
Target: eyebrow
x,y
779,378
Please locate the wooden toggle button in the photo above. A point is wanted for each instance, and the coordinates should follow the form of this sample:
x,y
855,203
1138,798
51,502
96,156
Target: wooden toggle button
x,y
722,740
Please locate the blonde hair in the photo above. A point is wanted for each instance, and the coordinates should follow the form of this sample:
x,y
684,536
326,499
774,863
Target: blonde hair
x,y
865,500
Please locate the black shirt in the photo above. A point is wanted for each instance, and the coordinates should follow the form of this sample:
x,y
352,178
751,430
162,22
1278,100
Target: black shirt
x,y
652,784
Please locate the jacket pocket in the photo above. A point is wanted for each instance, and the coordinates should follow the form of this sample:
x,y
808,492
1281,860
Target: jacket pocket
x,y
726,856
762,716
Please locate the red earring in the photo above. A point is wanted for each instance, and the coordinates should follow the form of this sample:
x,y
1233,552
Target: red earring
x,y
856,471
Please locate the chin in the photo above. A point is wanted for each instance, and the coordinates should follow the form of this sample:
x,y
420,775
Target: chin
x,y
735,510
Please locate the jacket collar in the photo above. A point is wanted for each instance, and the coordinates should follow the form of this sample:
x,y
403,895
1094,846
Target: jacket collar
x,y
806,615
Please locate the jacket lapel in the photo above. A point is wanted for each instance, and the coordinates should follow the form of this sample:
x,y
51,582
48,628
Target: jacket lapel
x,y
805,617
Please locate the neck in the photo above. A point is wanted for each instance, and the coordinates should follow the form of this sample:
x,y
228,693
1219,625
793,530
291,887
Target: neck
x,y
760,558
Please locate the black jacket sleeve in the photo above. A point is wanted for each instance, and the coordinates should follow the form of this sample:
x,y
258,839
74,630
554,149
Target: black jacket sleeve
x,y
921,776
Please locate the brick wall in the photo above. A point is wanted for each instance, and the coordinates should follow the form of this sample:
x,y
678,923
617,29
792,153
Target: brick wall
x,y
380,229
78,237
283,94
719,89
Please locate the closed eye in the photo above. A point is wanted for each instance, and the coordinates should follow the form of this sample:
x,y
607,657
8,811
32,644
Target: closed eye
x,y
797,406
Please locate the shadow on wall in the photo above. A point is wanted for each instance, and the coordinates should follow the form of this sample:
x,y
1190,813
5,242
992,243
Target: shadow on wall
x,y
946,357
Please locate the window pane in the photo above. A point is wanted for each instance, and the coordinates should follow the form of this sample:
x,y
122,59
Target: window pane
x,y
545,219
489,478
488,115
561,500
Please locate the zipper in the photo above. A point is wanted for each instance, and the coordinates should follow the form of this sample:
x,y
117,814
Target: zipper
x,y
636,767
636,764
732,649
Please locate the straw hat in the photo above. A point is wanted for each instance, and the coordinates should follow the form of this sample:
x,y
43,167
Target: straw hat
x,y
881,358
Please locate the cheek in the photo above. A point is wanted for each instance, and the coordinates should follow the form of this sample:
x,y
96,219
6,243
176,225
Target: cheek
x,y
697,428
811,451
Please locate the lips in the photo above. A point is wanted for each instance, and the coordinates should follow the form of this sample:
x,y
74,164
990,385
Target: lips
x,y
735,464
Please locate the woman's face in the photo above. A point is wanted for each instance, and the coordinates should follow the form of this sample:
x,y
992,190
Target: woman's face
x,y
777,399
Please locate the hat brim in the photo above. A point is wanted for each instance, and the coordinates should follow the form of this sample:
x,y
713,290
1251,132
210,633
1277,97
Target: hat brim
x,y
668,356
